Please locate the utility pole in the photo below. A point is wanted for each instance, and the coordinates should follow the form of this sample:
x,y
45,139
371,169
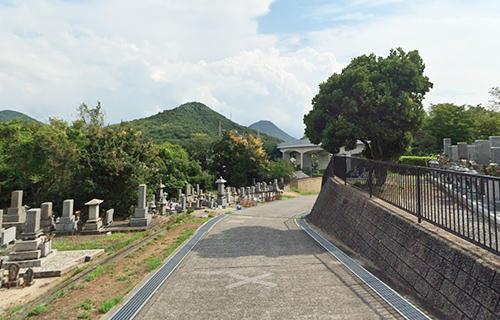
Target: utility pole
x,y
220,128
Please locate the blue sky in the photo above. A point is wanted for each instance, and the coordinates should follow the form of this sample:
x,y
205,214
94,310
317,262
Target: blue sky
x,y
251,59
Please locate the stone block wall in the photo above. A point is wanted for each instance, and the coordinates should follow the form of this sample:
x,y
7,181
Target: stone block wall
x,y
446,278
306,185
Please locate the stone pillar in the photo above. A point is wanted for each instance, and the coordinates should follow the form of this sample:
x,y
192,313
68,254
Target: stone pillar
x,y
198,190
67,222
47,219
183,203
495,155
221,193
94,222
109,217
462,151
16,214
141,217
446,146
483,151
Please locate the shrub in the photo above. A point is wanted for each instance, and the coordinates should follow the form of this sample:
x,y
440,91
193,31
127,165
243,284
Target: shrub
x,y
422,161
40,309
109,304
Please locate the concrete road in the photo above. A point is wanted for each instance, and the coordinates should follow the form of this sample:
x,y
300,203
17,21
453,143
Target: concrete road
x,y
258,265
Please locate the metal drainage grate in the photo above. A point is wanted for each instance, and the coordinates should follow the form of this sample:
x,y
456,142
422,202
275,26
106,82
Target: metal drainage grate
x,y
400,304
135,303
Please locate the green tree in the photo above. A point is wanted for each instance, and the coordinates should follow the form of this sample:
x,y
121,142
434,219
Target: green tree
x,y
238,159
278,169
495,99
176,169
376,100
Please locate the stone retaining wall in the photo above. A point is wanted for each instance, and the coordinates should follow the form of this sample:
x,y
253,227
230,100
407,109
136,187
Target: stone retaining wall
x,y
312,185
444,276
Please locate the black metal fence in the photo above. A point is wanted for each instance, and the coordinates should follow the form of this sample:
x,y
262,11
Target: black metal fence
x,y
465,204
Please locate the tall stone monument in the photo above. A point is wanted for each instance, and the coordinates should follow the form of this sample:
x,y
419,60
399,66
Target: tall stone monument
x,y
94,222
221,192
446,146
67,223
141,217
462,151
471,149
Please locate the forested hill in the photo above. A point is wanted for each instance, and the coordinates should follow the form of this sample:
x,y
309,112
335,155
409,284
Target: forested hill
x,y
7,115
272,130
189,121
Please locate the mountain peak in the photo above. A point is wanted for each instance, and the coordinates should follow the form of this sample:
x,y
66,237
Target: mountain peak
x,y
7,115
269,128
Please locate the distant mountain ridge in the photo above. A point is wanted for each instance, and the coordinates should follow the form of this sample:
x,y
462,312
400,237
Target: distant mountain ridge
x,y
272,130
186,121
8,115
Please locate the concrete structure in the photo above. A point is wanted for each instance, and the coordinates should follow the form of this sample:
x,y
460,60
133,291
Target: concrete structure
x,y
7,236
494,141
301,153
437,268
495,155
471,150
67,223
221,192
141,217
454,153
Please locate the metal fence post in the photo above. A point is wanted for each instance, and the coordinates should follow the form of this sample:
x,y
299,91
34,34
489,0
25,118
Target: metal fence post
x,y
345,170
370,179
419,198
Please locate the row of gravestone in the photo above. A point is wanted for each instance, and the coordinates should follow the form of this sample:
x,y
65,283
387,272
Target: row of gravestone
x,y
482,152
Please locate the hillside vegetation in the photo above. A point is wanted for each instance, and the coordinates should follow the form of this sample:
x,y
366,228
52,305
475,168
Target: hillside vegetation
x,y
8,115
272,130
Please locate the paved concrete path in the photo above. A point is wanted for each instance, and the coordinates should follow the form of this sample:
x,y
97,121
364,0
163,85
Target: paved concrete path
x,y
259,265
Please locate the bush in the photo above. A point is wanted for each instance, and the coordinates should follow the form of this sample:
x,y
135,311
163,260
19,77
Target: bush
x,y
422,161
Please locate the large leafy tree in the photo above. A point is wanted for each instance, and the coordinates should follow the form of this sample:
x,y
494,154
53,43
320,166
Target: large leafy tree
x,y
238,159
377,100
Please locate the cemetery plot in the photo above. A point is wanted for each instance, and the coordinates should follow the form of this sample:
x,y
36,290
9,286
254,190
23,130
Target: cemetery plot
x,y
103,288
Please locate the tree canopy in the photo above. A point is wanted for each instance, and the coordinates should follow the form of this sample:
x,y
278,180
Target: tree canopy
x,y
377,100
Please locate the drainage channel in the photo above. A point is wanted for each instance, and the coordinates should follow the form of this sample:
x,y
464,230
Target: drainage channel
x,y
400,304
135,303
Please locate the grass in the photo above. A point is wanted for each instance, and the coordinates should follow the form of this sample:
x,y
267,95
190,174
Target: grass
x,y
38,310
100,270
152,263
107,305
83,315
86,304
111,243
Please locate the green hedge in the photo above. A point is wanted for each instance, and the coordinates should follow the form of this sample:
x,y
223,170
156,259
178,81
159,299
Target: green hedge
x,y
416,160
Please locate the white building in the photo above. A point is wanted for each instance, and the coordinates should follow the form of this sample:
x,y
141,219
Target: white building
x,y
302,151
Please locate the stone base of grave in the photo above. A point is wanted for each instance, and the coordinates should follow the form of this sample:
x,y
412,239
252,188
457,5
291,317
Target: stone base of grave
x,y
30,263
7,236
65,226
140,222
93,226
47,225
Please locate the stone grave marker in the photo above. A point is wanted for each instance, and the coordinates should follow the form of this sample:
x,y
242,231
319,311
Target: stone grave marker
x,y
483,151
471,149
494,141
141,217
16,213
67,223
47,220
13,280
462,151
446,146
94,222
495,155
28,277
108,220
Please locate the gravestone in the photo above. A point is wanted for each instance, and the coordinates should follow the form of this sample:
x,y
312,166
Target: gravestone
x,y
179,194
454,153
276,187
7,235
94,222
16,213
108,220
446,146
162,199
494,141
141,217
495,155
471,149
67,223
28,277
198,190
47,220
183,203
13,280
483,151
34,245
462,151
